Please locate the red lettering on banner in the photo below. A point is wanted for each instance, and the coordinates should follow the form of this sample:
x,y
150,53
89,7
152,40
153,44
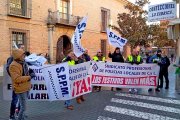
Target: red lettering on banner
x,y
81,86
77,86
148,81
89,83
132,81
74,84
142,81
113,80
96,79
137,81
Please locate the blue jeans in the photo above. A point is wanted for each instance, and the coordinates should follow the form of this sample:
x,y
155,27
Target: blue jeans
x,y
13,104
22,100
67,103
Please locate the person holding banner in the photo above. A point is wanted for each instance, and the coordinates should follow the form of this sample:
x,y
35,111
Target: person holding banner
x,y
99,58
21,77
81,59
134,58
14,101
116,57
157,60
86,56
164,65
72,60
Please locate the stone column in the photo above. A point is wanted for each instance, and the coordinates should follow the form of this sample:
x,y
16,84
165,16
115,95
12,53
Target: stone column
x,y
50,26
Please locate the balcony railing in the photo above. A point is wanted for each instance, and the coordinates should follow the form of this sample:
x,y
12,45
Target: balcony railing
x,y
65,19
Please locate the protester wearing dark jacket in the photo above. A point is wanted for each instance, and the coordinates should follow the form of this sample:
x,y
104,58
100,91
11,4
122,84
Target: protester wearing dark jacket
x,y
116,57
164,64
86,56
148,56
156,59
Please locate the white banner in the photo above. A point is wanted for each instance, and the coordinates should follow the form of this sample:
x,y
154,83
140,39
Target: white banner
x,y
38,91
116,40
77,48
163,11
80,80
57,81
35,60
125,75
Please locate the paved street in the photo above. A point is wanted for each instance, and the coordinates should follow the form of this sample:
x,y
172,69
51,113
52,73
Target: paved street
x,y
108,105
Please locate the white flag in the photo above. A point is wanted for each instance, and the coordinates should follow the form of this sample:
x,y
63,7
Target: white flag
x,y
116,40
77,48
35,60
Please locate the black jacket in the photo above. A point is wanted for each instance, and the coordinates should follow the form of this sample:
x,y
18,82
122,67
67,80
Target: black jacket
x,y
116,57
164,64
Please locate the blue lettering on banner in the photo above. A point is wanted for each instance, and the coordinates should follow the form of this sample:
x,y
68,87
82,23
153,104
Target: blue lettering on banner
x,y
119,39
161,13
161,7
110,34
81,69
37,70
62,81
123,40
53,86
83,25
76,44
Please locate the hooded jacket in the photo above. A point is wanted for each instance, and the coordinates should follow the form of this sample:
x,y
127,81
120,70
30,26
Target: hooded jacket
x,y
20,81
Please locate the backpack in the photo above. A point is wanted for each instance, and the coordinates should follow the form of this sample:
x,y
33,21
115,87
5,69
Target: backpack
x,y
9,61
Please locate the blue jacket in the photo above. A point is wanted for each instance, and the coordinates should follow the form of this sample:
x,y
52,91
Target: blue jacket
x,y
154,59
163,62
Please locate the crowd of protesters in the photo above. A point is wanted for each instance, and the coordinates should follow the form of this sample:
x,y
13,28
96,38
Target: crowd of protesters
x,y
21,75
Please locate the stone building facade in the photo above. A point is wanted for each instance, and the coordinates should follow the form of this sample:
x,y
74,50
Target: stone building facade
x,y
46,26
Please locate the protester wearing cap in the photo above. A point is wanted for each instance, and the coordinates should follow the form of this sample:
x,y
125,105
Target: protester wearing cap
x,y
148,56
21,77
86,56
99,57
164,64
156,59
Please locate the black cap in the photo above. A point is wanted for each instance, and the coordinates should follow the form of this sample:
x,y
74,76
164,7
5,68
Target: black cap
x,y
159,51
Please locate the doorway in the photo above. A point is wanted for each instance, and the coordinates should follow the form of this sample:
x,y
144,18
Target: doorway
x,y
63,48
